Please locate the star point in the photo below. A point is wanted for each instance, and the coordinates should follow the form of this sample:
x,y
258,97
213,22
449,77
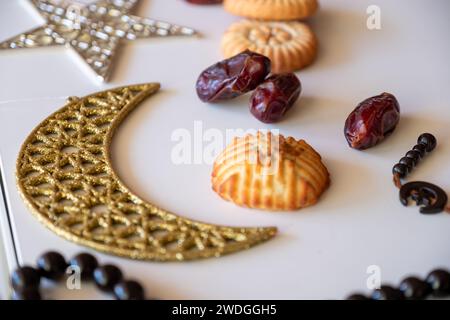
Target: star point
x,y
93,31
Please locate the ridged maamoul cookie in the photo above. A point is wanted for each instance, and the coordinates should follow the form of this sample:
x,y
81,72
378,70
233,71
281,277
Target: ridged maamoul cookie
x,y
270,172
272,9
290,45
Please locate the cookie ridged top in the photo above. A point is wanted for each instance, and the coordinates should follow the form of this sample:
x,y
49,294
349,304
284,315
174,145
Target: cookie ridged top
x,y
272,9
270,172
289,45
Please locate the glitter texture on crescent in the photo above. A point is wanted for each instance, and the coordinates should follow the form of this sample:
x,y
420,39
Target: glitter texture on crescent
x,y
65,175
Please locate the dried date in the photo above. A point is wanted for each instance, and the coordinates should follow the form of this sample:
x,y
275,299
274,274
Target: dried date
x,y
274,97
232,77
371,121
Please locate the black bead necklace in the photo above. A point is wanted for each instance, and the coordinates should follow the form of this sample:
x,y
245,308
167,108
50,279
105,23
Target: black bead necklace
x,y
437,283
26,280
430,197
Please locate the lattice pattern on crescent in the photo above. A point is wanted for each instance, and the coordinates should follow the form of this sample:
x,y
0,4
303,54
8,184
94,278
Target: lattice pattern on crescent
x,y
64,173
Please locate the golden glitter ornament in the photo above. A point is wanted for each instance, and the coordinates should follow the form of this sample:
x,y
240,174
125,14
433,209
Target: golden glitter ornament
x,y
65,175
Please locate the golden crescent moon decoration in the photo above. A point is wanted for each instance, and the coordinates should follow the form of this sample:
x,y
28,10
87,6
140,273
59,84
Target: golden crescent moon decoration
x,y
65,175
93,31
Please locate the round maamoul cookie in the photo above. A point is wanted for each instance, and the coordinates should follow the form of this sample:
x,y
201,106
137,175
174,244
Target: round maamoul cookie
x,y
272,9
270,172
289,45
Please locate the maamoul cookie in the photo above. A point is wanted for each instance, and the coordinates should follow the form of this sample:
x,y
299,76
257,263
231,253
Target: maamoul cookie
x,y
290,45
270,172
272,9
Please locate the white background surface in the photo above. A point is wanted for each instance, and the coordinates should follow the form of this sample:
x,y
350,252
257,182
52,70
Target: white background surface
x,y
320,252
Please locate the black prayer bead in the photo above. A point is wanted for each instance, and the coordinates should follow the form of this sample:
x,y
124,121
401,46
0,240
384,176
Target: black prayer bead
x,y
129,290
421,148
414,288
408,162
439,281
26,294
52,265
400,169
357,296
387,293
414,156
25,278
428,140
107,276
87,264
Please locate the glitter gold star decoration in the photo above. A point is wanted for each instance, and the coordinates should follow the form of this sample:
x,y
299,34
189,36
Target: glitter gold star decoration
x,y
94,30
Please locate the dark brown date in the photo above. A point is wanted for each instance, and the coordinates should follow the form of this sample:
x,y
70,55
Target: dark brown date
x,y
274,97
371,121
232,77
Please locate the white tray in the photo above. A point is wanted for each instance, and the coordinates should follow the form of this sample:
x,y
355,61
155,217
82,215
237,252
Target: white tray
x,y
320,252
